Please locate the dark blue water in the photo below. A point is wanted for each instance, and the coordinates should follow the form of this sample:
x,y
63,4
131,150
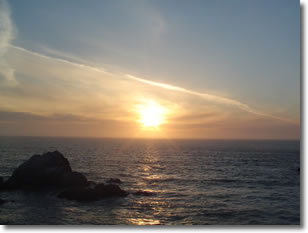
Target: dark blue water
x,y
195,182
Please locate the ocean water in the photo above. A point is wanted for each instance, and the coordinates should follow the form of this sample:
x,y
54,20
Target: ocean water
x,y
194,181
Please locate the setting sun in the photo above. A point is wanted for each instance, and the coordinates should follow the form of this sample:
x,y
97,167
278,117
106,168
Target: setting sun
x,y
151,114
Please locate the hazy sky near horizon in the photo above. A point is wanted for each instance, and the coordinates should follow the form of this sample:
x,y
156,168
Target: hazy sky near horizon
x,y
222,68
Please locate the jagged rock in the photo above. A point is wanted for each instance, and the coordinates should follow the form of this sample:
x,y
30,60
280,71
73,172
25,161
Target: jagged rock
x,y
100,191
41,171
52,170
114,180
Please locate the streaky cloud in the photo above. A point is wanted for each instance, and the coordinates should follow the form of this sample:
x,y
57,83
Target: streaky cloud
x,y
206,96
7,34
209,97
6,27
79,65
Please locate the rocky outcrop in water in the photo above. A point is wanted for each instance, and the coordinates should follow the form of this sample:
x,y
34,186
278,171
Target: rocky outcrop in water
x,y
1,182
2,201
114,181
99,191
143,193
51,169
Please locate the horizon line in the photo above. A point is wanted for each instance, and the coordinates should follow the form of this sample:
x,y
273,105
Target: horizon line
x,y
157,138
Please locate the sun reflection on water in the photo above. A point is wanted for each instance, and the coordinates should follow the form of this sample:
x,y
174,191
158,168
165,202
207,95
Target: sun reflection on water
x,y
143,221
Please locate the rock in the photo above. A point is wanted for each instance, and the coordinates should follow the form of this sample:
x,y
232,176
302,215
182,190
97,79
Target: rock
x,y
5,201
109,190
41,171
1,182
91,184
74,179
86,194
114,180
52,170
143,193
82,194
2,201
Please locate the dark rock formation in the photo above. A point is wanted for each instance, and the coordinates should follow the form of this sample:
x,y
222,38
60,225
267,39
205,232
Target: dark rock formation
x,y
143,193
48,170
74,179
82,194
91,184
2,201
100,191
109,190
1,182
114,180
53,171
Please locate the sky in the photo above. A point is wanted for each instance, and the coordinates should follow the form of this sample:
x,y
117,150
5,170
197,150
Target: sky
x,y
214,69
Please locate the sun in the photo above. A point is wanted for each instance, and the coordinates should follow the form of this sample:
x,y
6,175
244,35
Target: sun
x,y
151,114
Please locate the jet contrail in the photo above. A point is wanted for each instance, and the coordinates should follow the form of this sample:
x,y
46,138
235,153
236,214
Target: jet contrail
x,y
210,97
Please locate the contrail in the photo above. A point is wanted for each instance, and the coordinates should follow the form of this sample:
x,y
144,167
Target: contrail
x,y
210,97
79,65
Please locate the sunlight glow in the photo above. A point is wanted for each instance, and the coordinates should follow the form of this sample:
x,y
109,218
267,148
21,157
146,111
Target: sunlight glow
x,y
151,114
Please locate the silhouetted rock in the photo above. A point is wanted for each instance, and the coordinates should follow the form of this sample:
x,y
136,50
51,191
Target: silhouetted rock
x,y
114,180
41,171
2,201
91,184
52,170
100,191
82,194
109,190
1,182
74,179
143,193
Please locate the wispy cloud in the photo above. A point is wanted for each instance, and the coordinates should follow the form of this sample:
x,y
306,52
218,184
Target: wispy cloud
x,y
209,97
66,61
7,32
48,90
215,99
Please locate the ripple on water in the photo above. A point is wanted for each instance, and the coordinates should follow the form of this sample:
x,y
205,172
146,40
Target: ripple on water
x,y
194,182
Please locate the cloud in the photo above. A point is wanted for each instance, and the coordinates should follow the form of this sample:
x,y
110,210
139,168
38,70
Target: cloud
x,y
6,27
29,124
54,93
97,77
60,97
7,33
7,71
30,117
210,97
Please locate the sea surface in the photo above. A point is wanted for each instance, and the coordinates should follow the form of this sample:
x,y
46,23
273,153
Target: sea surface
x,y
194,181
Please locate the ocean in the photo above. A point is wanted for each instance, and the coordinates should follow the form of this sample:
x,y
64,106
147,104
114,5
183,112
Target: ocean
x,y
194,182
